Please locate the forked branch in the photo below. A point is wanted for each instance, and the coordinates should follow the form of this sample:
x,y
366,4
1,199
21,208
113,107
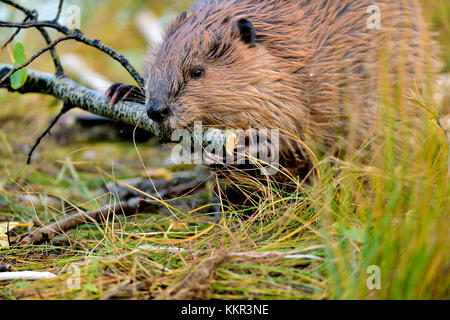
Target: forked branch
x,y
33,16
78,35
31,21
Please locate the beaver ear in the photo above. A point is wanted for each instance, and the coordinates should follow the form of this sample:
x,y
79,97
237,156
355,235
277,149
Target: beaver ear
x,y
246,31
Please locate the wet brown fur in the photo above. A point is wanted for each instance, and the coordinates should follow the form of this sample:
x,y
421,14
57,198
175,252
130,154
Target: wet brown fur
x,y
314,71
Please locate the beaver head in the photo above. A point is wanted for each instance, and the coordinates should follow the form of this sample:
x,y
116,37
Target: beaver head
x,y
211,68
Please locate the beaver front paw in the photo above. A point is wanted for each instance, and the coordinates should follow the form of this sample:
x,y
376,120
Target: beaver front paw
x,y
124,92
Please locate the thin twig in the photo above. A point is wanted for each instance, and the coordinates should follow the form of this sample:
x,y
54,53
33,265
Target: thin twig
x,y
18,7
78,35
64,109
32,15
14,35
36,55
36,24
58,14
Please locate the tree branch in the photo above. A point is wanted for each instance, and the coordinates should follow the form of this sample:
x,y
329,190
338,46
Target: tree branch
x,y
76,95
33,15
71,93
78,35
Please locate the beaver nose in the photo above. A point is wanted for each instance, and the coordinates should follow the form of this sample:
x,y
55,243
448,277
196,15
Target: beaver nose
x,y
157,110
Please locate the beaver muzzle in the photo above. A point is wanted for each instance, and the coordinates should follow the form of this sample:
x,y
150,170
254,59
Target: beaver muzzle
x,y
157,110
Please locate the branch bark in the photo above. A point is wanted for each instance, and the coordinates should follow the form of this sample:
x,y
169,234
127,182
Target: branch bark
x,y
72,93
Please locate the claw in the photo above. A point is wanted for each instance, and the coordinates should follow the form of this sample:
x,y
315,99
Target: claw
x,y
111,90
117,96
128,93
119,91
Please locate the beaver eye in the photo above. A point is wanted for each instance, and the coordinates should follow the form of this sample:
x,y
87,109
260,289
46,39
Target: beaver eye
x,y
198,72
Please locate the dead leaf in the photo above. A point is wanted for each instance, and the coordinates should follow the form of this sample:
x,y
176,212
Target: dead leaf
x,y
4,228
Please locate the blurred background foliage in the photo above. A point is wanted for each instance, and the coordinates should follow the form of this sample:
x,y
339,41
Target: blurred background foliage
x,y
439,15
114,22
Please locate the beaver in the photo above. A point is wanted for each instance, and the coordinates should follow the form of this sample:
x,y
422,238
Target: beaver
x,y
313,68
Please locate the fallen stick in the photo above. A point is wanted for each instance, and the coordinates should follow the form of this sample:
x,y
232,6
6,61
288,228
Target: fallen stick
x,y
128,207
25,275
47,233
243,254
